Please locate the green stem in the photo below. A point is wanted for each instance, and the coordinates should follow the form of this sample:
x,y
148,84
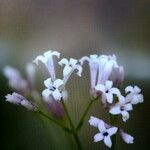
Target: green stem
x,y
85,113
75,135
54,121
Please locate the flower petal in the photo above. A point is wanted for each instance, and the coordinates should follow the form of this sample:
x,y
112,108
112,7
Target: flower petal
x,y
108,84
100,87
115,110
73,62
107,141
58,83
79,68
57,95
101,126
109,97
63,61
112,130
115,91
128,107
127,138
48,82
46,93
67,70
129,89
98,137
125,115
94,121
137,89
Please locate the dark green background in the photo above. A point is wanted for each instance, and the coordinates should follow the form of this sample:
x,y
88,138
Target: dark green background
x,y
75,28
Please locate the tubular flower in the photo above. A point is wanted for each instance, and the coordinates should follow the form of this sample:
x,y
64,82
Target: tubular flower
x,y
134,95
54,88
122,107
15,79
18,99
70,66
107,91
47,60
126,137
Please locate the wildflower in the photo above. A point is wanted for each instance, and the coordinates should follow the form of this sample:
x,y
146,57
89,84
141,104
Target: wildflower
x,y
70,66
105,133
106,65
122,107
93,66
54,88
18,99
126,137
117,75
15,79
107,90
134,95
47,60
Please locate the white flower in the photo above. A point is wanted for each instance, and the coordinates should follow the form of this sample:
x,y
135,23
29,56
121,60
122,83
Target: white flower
x,y
117,75
15,79
18,99
126,137
121,108
47,59
54,88
93,66
107,90
106,64
105,133
134,97
70,66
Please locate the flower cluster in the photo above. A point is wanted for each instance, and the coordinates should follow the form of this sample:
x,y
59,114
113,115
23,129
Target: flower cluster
x,y
106,78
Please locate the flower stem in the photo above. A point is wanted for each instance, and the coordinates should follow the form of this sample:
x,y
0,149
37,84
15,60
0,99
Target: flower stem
x,y
54,121
75,135
85,113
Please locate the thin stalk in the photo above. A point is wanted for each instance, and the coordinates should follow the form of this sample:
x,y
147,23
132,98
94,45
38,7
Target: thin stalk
x,y
85,113
75,135
54,121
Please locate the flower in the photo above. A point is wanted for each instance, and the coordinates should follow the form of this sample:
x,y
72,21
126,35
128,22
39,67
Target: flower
x,y
94,121
117,75
126,137
47,60
18,99
70,66
122,107
107,90
54,88
93,65
106,64
134,97
105,133
15,79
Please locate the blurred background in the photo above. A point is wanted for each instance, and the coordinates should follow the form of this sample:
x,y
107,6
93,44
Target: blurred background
x,y
75,28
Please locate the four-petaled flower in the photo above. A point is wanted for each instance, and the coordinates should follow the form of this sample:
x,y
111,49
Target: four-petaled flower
x,y
54,88
105,133
107,91
134,97
70,66
122,107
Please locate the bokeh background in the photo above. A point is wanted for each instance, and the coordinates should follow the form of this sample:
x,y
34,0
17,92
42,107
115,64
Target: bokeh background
x,y
75,28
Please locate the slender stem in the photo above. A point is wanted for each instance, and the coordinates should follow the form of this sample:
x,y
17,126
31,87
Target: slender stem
x,y
54,121
72,126
85,113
